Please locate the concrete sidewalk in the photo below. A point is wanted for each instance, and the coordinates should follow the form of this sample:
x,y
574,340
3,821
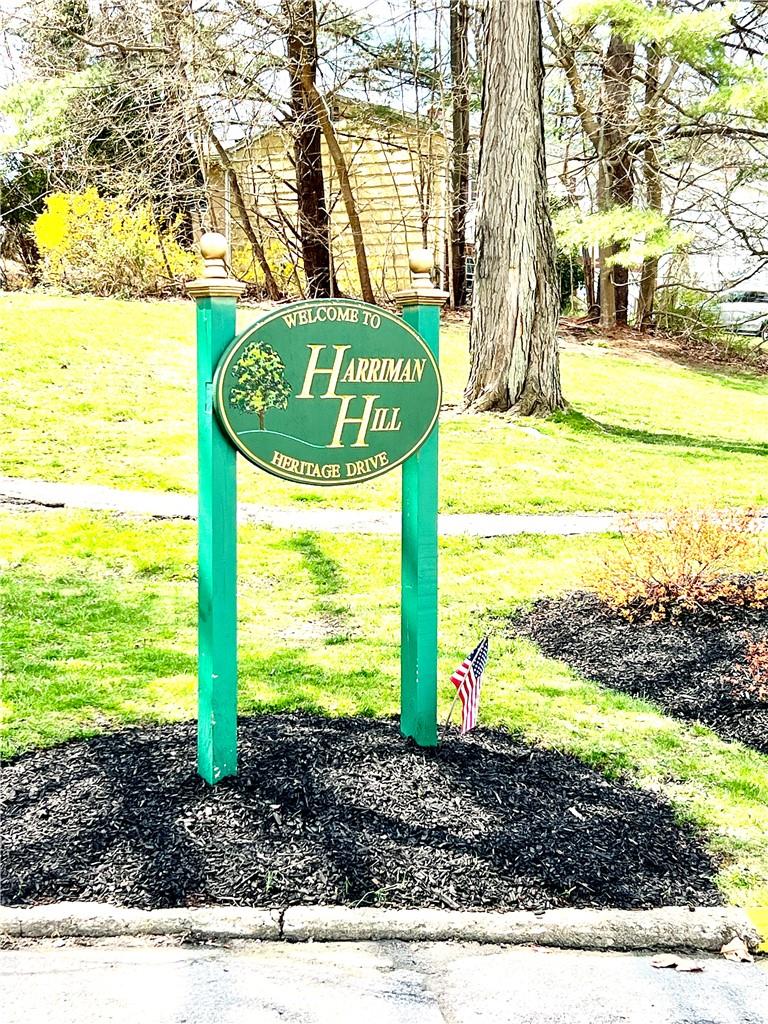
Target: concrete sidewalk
x,y
377,983
36,494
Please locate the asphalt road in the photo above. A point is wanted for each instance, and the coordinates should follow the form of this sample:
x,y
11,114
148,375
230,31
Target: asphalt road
x,y
367,983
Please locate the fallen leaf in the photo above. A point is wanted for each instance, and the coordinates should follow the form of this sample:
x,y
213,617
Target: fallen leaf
x,y
690,966
664,961
679,963
737,951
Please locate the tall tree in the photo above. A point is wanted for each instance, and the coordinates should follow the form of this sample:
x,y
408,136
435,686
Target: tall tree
x,y
513,336
459,36
615,181
649,275
314,218
126,128
668,127
347,191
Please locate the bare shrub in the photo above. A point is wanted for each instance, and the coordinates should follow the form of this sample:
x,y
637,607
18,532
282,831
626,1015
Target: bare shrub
x,y
685,560
752,675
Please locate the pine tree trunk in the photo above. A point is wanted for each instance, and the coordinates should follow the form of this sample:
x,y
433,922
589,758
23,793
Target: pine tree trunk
x,y
623,195
513,338
617,187
589,280
459,33
652,180
314,220
606,289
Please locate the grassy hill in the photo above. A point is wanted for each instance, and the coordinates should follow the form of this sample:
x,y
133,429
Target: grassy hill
x,y
98,611
102,391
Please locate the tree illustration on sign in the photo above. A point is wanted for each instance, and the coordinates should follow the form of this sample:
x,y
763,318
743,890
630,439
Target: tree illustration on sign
x,y
261,383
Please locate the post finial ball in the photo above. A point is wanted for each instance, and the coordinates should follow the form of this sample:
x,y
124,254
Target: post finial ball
x,y
420,261
213,246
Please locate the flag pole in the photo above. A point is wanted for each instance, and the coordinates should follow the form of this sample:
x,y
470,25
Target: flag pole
x,y
453,705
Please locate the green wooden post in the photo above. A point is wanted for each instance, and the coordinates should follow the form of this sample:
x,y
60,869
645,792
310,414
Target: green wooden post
x,y
421,306
216,297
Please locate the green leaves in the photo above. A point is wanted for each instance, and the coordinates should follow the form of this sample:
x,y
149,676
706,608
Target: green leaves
x,y
745,97
38,110
641,234
262,385
692,37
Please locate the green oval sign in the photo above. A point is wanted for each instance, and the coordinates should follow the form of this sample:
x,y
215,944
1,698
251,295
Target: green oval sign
x,y
328,392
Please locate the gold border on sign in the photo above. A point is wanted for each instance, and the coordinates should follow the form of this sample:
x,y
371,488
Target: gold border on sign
x,y
226,359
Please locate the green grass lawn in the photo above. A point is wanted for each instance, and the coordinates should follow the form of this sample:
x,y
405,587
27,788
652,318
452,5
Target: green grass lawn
x,y
98,612
102,391
99,630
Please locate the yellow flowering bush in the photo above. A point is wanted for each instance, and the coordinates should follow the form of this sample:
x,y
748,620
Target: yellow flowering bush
x,y
91,244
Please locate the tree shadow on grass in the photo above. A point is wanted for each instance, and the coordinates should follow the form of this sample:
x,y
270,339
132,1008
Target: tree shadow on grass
x,y
736,380
579,423
324,571
81,651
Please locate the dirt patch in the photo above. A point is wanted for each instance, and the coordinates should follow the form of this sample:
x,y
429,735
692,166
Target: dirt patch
x,y
322,627
339,811
693,668
647,346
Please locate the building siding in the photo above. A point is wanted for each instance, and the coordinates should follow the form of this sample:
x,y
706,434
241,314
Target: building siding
x,y
384,167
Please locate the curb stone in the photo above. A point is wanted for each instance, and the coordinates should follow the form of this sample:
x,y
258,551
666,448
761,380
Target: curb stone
x,y
100,920
705,929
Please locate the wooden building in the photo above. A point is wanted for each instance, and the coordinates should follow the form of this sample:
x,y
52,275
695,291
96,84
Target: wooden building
x,y
398,173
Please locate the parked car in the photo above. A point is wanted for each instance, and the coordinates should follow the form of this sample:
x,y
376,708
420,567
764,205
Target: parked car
x,y
745,312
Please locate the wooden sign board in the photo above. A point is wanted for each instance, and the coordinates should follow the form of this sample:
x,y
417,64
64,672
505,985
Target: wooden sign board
x,y
328,392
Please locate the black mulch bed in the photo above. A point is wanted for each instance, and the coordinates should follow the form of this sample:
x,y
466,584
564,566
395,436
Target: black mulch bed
x,y
693,668
339,811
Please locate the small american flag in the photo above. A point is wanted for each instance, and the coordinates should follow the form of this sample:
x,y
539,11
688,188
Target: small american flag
x,y
467,679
